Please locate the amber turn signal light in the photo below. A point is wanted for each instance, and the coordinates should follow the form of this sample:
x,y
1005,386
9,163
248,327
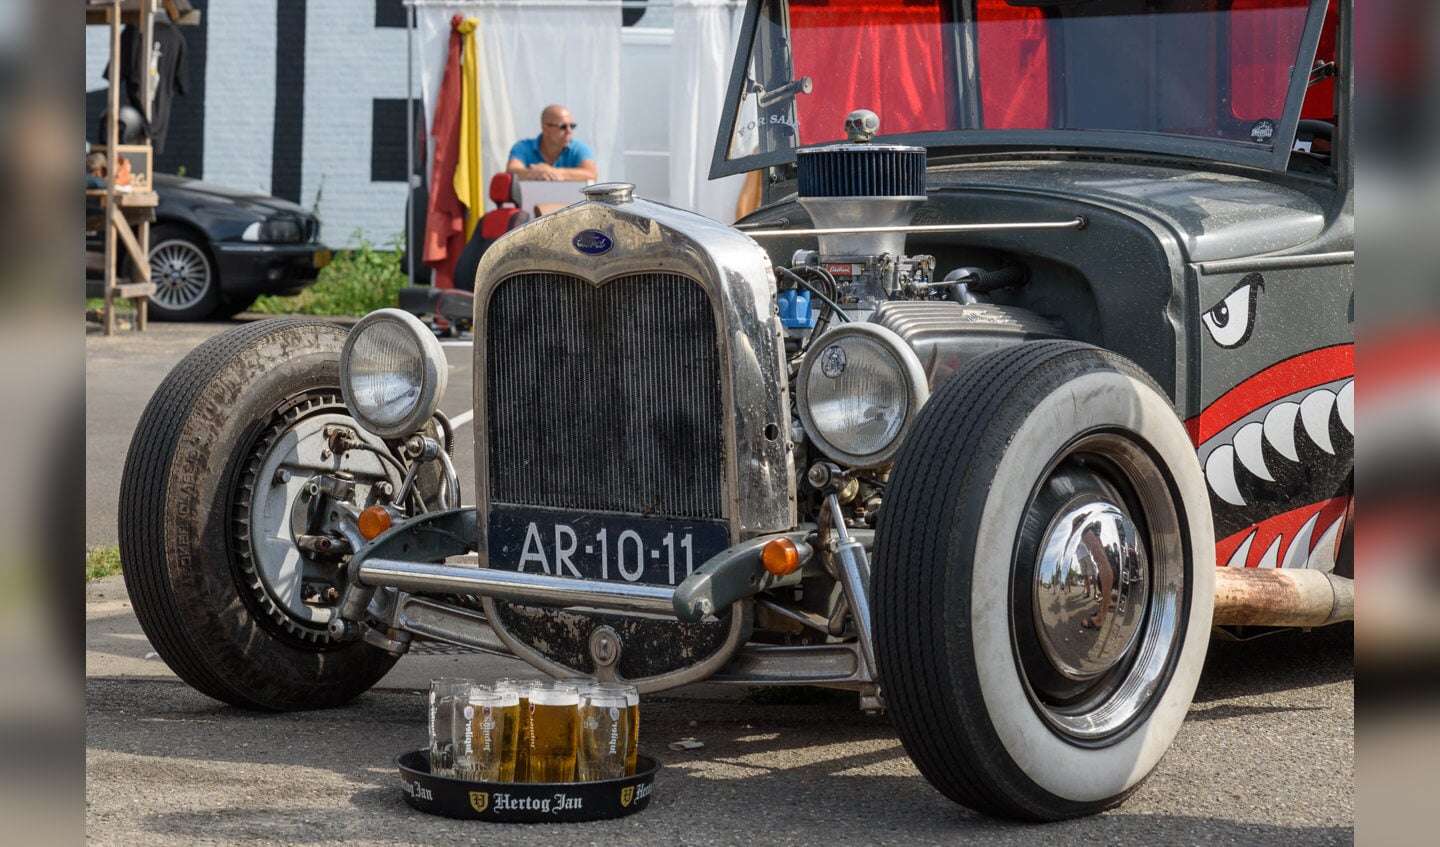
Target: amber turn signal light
x,y
780,557
374,521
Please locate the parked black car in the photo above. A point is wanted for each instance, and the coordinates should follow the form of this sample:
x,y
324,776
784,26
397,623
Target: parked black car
x,y
214,249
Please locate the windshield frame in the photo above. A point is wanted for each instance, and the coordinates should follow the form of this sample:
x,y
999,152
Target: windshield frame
x,y
1029,141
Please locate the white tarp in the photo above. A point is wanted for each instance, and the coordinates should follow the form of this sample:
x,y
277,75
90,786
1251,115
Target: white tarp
x,y
705,35
537,52
533,53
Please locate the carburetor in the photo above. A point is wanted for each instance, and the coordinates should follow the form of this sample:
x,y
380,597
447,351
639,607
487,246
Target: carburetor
x,y
859,185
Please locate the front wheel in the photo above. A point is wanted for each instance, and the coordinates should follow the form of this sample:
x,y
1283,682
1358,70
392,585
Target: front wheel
x,y
212,499
1043,582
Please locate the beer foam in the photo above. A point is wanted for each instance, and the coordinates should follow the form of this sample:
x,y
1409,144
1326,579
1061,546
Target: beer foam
x,y
606,699
632,695
495,699
487,696
523,686
551,697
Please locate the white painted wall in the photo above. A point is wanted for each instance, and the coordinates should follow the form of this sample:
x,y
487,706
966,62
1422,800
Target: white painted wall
x,y
348,61
240,94
97,54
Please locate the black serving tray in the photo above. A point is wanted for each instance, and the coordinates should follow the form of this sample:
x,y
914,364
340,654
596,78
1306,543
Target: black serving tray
x,y
524,802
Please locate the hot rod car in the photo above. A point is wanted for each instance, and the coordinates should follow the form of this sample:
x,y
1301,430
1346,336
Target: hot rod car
x,y
1034,368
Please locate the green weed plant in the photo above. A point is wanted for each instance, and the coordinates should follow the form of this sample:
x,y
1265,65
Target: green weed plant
x,y
356,282
102,562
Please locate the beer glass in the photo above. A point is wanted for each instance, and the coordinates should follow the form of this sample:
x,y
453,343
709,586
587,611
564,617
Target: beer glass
x,y
489,726
632,700
461,733
604,733
521,687
554,725
441,712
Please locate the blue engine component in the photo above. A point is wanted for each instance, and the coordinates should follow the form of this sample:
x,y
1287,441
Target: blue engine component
x,y
795,309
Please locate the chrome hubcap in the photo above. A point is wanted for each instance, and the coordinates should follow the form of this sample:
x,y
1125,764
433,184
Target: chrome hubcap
x,y
1100,588
1090,588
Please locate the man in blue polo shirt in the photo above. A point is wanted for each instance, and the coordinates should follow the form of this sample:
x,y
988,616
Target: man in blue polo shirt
x,y
554,154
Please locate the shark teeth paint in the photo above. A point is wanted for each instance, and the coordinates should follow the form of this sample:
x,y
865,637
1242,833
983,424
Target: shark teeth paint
x,y
1297,554
1345,406
1242,553
1315,412
1277,429
1277,451
1220,472
1287,547
1250,449
1280,429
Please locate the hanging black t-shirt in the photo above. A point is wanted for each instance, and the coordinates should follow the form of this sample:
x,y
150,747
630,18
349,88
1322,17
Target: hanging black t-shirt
x,y
167,62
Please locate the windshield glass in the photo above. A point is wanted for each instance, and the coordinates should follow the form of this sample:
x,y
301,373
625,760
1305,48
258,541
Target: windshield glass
x,y
1106,73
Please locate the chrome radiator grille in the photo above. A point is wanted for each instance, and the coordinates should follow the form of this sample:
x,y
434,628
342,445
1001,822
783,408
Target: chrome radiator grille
x,y
604,398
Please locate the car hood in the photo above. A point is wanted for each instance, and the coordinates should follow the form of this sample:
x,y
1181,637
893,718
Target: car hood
x,y
1214,215
213,193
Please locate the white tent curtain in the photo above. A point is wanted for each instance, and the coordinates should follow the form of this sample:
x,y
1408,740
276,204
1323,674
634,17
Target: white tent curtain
x,y
533,53
706,32
537,52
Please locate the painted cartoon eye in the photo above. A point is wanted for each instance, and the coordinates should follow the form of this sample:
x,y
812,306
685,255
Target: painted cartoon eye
x,y
1232,319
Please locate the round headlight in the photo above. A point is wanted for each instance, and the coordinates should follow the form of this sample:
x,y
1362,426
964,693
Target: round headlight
x,y
859,389
392,372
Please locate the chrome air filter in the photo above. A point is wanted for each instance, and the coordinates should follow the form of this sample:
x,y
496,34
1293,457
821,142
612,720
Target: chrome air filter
x,y
861,170
861,185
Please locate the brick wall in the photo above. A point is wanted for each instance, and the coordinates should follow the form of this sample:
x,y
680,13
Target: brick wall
x,y
304,99
283,101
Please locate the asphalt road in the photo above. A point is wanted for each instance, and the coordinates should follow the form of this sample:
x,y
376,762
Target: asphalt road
x,y
1266,756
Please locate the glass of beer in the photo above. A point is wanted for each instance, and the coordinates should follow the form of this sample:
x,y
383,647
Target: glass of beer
x,y
489,727
443,691
554,726
521,687
604,732
632,700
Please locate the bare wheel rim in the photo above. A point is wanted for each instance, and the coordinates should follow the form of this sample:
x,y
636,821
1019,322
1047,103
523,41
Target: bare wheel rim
x,y
290,450
1146,617
181,273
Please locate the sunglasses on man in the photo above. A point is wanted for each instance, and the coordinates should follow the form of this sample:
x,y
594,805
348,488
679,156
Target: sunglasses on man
x,y
564,126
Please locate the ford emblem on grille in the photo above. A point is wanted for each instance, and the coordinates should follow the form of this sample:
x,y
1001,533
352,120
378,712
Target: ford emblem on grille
x,y
592,242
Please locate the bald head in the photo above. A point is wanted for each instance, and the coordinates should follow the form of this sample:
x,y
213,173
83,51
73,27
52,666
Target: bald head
x,y
556,128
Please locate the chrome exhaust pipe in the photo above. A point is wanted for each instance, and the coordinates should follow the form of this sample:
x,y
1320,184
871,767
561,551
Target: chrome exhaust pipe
x,y
1282,597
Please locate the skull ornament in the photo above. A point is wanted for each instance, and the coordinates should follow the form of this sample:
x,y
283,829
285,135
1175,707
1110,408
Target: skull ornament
x,y
861,125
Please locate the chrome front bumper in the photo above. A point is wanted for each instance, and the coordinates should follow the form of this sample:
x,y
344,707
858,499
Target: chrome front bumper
x,y
731,576
533,589
388,580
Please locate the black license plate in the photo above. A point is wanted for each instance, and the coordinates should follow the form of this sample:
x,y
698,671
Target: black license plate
x,y
608,547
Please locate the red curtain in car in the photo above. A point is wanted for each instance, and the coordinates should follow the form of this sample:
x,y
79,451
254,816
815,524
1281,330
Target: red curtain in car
x,y
888,56
1014,56
1264,40
1320,98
